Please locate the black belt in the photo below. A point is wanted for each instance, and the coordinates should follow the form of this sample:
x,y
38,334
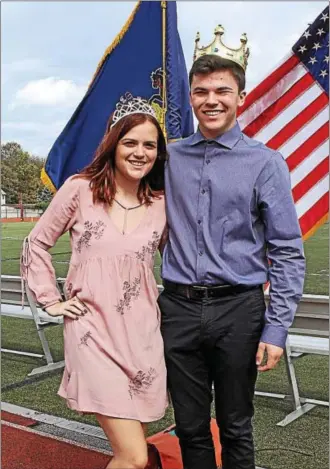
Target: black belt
x,y
203,291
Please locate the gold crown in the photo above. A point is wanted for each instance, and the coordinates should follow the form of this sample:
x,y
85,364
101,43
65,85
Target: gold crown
x,y
217,47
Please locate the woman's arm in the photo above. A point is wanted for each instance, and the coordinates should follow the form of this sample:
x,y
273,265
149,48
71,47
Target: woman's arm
x,y
36,262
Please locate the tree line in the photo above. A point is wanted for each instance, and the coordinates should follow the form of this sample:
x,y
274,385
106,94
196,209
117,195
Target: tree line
x,y
20,175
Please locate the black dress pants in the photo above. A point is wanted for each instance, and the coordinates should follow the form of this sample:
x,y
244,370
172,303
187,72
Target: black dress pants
x,y
213,341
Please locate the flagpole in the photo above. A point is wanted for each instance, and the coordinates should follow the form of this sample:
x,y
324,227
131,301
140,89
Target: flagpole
x,y
164,96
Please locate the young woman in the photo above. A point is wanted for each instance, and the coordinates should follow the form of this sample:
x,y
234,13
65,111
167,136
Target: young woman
x,y
114,210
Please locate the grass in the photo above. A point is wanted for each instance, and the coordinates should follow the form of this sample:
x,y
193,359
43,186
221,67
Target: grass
x,y
12,237
317,262
301,445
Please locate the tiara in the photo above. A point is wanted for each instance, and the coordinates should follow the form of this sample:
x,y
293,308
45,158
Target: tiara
x,y
217,47
128,105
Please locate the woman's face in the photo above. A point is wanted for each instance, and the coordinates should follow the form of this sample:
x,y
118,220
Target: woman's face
x,y
136,152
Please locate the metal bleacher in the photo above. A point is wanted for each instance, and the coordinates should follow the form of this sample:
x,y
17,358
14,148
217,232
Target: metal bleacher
x,y
12,306
309,334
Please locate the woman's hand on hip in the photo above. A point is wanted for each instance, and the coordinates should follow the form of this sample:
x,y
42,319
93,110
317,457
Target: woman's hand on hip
x,y
72,308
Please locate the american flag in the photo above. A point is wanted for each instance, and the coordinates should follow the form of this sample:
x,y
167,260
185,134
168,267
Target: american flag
x,y
288,111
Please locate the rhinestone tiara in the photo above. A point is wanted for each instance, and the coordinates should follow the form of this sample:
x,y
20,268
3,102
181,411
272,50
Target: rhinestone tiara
x,y
128,105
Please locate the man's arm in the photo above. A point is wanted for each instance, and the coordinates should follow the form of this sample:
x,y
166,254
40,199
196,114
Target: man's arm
x,y
285,255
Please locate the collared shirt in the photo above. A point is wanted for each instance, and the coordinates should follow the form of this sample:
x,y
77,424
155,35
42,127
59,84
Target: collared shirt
x,y
232,220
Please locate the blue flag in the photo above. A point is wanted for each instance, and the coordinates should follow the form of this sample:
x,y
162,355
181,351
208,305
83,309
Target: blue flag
x,y
146,60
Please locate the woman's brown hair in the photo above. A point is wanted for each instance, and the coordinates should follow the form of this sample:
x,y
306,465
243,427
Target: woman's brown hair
x,y
101,171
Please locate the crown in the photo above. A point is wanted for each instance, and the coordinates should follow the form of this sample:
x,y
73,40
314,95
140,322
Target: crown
x,y
129,105
217,47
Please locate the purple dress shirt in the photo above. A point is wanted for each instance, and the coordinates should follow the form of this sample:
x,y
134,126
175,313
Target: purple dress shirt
x,y
232,220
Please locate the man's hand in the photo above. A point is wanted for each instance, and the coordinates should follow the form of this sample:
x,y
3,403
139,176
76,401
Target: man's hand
x,y
274,354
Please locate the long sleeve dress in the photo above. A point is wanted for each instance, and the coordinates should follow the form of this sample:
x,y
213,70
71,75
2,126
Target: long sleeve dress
x,y
114,361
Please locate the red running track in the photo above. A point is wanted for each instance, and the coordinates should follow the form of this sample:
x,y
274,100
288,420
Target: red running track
x,y
23,447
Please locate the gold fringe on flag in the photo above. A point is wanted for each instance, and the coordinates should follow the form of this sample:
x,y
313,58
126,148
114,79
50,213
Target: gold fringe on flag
x,y
45,179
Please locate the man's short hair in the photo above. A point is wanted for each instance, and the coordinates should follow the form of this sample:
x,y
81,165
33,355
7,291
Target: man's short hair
x,y
213,63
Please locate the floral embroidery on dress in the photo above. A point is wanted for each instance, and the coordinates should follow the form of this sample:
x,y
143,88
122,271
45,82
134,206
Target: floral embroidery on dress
x,y
131,292
84,339
151,248
90,230
142,381
69,291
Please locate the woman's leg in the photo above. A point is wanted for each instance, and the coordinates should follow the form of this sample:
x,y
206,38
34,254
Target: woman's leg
x,y
128,442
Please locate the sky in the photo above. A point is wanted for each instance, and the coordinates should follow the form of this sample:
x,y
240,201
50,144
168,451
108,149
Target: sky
x,y
50,51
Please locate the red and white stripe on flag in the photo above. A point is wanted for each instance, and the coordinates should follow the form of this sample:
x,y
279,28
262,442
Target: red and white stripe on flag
x,y
288,112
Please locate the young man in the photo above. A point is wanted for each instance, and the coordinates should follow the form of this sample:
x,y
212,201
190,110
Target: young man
x,y
232,227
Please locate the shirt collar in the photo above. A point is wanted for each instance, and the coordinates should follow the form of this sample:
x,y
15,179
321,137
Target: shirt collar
x,y
228,139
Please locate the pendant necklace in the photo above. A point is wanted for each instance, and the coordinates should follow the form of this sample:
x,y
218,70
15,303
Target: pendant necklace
x,y
126,213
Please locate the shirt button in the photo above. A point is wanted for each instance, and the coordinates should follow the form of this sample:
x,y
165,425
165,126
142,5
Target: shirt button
x,y
203,191
200,253
208,161
199,221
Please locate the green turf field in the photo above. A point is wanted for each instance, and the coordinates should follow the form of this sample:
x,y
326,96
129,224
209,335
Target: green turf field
x,y
316,250
301,445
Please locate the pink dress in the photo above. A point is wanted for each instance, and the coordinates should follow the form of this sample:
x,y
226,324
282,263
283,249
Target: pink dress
x,y
114,360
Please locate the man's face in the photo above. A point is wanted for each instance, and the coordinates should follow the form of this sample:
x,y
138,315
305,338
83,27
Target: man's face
x,y
214,99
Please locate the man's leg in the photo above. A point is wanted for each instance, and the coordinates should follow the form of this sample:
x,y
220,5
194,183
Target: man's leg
x,y
236,329
188,379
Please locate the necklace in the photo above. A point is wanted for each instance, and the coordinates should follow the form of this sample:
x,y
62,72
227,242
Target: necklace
x,y
127,209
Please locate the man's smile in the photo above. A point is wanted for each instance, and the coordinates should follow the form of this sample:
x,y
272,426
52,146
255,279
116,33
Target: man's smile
x,y
212,113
